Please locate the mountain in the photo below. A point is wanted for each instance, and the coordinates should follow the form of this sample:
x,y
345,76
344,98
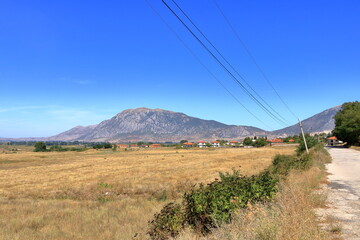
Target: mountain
x,y
321,122
157,125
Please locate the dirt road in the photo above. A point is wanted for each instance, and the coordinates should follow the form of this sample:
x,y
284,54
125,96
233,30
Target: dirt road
x,y
344,190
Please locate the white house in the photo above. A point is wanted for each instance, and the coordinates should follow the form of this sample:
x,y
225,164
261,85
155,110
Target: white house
x,y
333,141
215,144
233,143
201,144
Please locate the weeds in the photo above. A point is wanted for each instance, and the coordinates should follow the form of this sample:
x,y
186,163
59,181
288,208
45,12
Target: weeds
x,y
218,204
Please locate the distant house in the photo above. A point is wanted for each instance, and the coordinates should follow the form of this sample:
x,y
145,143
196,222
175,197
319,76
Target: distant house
x,y
233,143
215,144
333,141
133,145
188,144
291,141
201,144
155,145
276,140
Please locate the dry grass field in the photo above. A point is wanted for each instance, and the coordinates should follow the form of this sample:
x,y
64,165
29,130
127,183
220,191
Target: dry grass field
x,y
102,194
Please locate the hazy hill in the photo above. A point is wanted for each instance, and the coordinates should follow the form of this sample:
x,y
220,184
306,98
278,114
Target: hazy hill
x,y
157,125
321,122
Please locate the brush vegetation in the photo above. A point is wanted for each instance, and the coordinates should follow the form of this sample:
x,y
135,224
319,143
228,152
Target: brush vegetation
x,y
220,210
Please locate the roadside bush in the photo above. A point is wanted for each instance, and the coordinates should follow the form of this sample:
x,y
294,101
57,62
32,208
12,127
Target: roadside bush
x,y
282,164
208,206
215,203
167,223
311,142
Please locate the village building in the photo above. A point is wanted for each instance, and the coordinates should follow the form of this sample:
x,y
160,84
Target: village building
x,y
276,141
188,144
155,145
333,141
201,144
215,144
233,143
291,141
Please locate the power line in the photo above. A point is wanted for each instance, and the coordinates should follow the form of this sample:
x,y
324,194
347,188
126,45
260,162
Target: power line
x,y
252,57
203,65
231,66
225,68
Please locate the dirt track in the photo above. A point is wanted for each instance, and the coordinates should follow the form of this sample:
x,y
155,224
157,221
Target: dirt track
x,y
344,191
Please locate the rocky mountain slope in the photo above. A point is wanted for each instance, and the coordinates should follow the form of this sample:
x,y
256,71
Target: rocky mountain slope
x,y
160,125
321,122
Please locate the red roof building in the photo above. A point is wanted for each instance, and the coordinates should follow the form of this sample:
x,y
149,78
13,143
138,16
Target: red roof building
x,y
332,138
333,141
188,144
155,145
215,143
291,140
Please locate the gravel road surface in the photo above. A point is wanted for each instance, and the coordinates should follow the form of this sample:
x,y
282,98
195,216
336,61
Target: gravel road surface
x,y
344,191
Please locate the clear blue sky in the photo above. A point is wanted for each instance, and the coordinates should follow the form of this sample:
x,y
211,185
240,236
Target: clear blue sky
x,y
68,63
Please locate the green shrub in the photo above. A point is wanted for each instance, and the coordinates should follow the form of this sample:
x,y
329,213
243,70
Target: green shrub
x,y
215,203
167,223
282,164
40,147
208,206
304,162
311,142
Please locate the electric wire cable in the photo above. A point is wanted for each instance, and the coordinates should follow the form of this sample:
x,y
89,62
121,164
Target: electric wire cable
x,y
206,68
225,68
252,57
231,66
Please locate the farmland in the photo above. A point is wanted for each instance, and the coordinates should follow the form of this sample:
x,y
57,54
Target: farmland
x,y
98,194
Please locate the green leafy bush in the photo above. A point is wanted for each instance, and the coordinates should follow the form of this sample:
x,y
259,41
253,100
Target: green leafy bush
x,y
215,203
207,206
167,223
311,142
282,164
40,147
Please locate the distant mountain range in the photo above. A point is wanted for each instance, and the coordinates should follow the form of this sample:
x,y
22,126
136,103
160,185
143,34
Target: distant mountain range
x,y
157,125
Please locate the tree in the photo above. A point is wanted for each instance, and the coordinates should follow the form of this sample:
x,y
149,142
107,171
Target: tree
x,y
40,147
260,142
347,123
247,141
183,141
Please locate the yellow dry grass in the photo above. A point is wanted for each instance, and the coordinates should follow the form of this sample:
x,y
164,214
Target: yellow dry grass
x,y
105,194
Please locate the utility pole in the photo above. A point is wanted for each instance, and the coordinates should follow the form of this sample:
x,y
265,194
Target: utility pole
x,y
302,131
